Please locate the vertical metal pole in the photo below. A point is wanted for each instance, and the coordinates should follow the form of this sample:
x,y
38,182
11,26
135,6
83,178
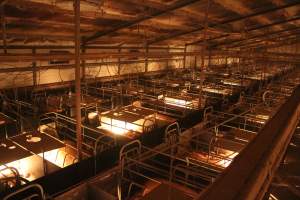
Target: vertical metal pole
x,y
184,57
83,65
209,59
195,68
34,79
195,61
226,64
146,61
77,77
119,63
167,61
3,23
202,75
243,59
204,48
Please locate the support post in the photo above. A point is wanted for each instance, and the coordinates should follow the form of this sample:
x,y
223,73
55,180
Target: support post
x,y
3,23
209,59
146,60
184,57
167,60
195,66
119,62
204,48
34,78
226,64
83,50
77,78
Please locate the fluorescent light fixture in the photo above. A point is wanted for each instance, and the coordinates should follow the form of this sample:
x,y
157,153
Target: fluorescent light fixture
x,y
223,91
121,127
181,102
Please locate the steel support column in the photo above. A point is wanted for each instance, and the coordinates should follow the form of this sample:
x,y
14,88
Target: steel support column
x,y
209,59
77,77
184,56
34,78
167,62
3,23
119,62
83,71
146,58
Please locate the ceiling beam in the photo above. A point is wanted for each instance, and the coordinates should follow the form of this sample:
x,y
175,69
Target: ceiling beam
x,y
90,65
241,8
286,13
255,37
30,57
176,6
87,47
263,43
212,25
282,43
267,38
251,29
295,18
260,44
285,36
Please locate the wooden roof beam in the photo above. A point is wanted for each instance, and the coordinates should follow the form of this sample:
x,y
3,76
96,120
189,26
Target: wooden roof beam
x,y
257,36
240,8
179,5
280,36
287,12
251,29
211,25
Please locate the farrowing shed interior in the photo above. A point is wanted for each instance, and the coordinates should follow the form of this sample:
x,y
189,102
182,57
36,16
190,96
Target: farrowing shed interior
x,y
149,99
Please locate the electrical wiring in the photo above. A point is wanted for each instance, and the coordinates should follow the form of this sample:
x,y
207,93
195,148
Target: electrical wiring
x,y
107,67
88,70
25,77
39,80
19,74
60,75
99,70
7,77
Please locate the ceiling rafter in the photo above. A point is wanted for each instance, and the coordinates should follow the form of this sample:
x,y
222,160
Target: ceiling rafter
x,y
257,36
212,25
36,21
251,29
286,12
282,43
277,43
179,5
280,35
242,9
